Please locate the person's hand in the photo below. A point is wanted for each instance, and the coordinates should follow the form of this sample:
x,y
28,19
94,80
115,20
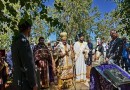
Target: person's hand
x,y
106,60
66,53
35,87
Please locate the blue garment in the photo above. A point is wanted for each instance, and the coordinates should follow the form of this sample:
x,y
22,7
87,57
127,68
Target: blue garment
x,y
9,59
128,60
125,52
90,45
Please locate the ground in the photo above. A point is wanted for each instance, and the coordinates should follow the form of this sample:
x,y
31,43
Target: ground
x,y
78,86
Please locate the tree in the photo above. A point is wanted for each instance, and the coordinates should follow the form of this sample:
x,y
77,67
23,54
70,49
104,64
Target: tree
x,y
123,11
76,16
106,24
13,12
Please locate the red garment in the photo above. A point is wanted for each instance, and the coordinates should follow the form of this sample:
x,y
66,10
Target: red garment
x,y
43,61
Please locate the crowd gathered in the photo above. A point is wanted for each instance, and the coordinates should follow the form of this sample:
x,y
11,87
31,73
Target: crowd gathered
x,y
33,66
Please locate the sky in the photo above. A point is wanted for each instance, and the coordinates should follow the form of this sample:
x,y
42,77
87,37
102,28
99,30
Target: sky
x,y
104,6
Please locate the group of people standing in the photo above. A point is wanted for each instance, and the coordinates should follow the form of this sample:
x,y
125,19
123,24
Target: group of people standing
x,y
38,66
63,61
117,51
62,64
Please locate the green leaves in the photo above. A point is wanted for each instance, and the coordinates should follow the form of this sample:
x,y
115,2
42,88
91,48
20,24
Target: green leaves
x,y
11,9
123,11
13,1
13,12
74,16
1,5
58,6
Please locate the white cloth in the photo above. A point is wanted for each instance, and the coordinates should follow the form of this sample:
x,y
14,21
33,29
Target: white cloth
x,y
66,59
104,46
80,61
105,49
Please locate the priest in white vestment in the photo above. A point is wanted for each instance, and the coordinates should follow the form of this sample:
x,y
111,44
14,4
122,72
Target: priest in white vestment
x,y
80,48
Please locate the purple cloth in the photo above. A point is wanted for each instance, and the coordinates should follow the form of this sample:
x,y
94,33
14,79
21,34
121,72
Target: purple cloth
x,y
102,68
98,81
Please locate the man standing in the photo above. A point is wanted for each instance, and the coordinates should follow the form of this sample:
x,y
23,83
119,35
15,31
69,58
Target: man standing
x,y
90,46
24,74
124,62
79,48
115,48
43,62
89,61
51,64
65,68
99,51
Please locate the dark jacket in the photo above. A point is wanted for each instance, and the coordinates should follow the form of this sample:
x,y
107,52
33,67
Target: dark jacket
x,y
115,48
100,48
90,46
23,63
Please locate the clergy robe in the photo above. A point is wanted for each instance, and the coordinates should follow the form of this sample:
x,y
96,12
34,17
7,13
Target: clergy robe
x,y
79,48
